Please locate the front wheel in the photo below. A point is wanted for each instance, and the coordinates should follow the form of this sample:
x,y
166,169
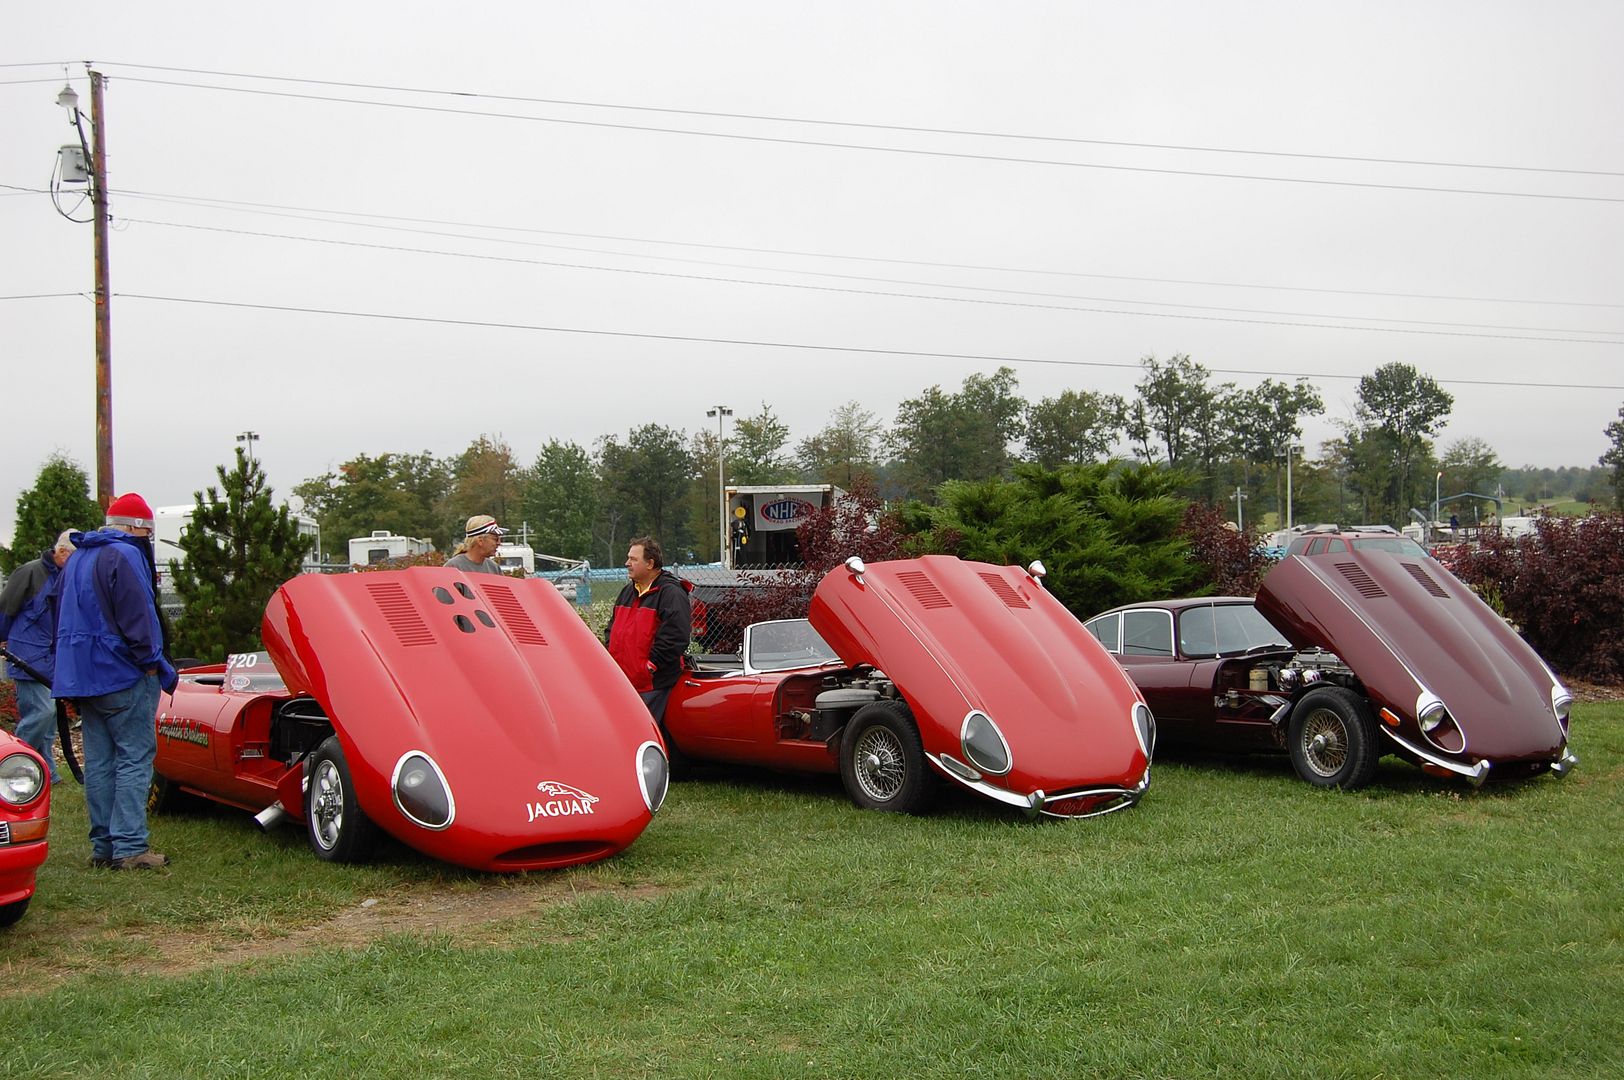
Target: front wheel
x,y
882,760
10,913
338,829
1332,739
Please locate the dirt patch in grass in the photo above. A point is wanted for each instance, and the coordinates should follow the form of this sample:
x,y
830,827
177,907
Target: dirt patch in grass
x,y
1587,691
487,916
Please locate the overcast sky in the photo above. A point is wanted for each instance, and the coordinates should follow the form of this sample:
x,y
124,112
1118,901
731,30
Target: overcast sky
x,y
755,256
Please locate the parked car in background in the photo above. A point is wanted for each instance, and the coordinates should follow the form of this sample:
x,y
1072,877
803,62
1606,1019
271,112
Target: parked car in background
x,y
1359,644
473,717
25,818
916,671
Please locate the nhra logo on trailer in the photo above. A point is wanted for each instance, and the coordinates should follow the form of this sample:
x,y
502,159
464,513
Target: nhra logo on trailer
x,y
786,510
562,801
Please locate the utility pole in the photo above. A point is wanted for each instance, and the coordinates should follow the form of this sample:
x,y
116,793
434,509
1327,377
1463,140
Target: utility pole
x,y
104,293
95,153
1240,515
721,412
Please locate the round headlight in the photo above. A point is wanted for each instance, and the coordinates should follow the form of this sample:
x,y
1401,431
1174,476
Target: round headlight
x,y
21,779
1561,703
984,745
653,775
421,792
1144,726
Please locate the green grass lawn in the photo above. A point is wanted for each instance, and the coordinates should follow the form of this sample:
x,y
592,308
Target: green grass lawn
x,y
1235,923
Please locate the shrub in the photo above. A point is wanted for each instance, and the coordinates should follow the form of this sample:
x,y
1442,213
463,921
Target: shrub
x,y
1231,561
1563,587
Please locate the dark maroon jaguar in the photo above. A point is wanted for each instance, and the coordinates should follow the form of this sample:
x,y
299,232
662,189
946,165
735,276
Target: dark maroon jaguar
x,y
1359,644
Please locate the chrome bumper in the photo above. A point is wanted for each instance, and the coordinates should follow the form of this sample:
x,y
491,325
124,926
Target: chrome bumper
x,y
1476,774
1034,804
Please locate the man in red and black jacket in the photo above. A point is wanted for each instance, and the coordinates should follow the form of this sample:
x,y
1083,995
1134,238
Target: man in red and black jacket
x,y
648,631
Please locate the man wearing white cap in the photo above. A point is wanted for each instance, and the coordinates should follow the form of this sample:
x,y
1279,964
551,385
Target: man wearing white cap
x,y
110,659
477,552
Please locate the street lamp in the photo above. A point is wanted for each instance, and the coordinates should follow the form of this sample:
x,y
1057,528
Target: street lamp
x,y
88,161
249,437
1437,493
1240,519
1286,452
721,412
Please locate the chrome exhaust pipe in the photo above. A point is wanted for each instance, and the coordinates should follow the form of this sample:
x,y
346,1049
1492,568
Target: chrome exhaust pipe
x,y
270,817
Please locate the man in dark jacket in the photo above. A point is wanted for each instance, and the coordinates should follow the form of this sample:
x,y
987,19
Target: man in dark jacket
x,y
110,659
28,627
649,628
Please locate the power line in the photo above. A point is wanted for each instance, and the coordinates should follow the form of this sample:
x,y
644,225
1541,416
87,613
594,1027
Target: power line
x,y
868,126
957,155
984,358
41,296
266,207
941,299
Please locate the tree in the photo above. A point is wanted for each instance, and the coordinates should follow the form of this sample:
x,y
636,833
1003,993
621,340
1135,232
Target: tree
x,y
560,499
845,450
646,482
1270,418
60,499
1075,428
398,493
756,454
1614,457
1470,464
484,480
1174,400
1399,410
1107,534
963,436
238,549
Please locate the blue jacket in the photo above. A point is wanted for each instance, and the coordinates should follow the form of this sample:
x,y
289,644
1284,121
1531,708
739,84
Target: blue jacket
x,y
107,630
28,616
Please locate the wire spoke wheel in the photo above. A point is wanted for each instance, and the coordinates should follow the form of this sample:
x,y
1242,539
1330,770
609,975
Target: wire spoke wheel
x,y
1332,739
1325,742
879,764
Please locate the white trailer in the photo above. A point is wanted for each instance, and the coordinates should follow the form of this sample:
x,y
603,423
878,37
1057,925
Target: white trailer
x,y
384,545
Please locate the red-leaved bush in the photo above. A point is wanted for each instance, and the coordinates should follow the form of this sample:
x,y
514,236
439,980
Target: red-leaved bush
x,y
8,704
1231,560
1564,589
856,524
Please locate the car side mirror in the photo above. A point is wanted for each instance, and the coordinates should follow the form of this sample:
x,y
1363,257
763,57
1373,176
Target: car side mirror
x,y
1037,571
857,568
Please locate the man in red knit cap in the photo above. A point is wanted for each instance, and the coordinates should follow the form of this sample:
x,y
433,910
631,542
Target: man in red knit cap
x,y
110,660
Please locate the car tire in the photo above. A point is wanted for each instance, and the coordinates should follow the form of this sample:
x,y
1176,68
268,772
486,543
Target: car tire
x,y
10,913
164,796
336,826
882,760
1332,739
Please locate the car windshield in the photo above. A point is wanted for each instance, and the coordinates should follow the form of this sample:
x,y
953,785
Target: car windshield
x,y
1398,545
1226,628
788,643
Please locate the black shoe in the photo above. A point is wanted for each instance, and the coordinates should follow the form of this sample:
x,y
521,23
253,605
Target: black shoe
x,y
101,862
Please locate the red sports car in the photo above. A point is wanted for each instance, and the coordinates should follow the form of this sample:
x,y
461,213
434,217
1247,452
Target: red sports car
x,y
25,816
1359,644
920,669
473,717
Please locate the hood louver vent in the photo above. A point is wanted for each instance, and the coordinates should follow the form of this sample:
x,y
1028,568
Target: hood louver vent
x,y
403,619
1425,580
1004,591
924,590
513,614
1360,580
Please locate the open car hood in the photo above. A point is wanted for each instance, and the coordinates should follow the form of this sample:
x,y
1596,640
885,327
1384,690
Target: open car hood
x,y
957,636
1408,628
498,680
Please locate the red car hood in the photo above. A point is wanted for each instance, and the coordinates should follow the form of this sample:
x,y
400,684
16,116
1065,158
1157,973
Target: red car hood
x,y
1407,626
956,636
498,681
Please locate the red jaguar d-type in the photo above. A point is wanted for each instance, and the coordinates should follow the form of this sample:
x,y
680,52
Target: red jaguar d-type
x,y
918,670
473,717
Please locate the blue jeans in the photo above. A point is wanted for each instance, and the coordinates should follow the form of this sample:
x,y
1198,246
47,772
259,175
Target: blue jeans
x,y
121,737
36,720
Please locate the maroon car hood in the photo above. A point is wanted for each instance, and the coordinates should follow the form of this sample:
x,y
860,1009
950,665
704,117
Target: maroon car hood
x,y
956,636
1405,625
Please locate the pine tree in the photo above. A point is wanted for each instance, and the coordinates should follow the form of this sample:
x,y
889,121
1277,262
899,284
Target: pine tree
x,y
238,548
60,499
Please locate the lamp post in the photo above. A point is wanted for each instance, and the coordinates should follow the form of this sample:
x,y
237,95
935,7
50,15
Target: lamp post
x,y
1240,518
94,157
721,412
1287,451
249,437
1437,493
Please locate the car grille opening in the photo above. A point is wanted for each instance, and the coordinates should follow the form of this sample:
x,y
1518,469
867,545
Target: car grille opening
x,y
545,856
1086,804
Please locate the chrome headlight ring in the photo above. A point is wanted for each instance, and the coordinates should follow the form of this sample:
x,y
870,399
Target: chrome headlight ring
x,y
653,775
984,745
421,792
21,779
